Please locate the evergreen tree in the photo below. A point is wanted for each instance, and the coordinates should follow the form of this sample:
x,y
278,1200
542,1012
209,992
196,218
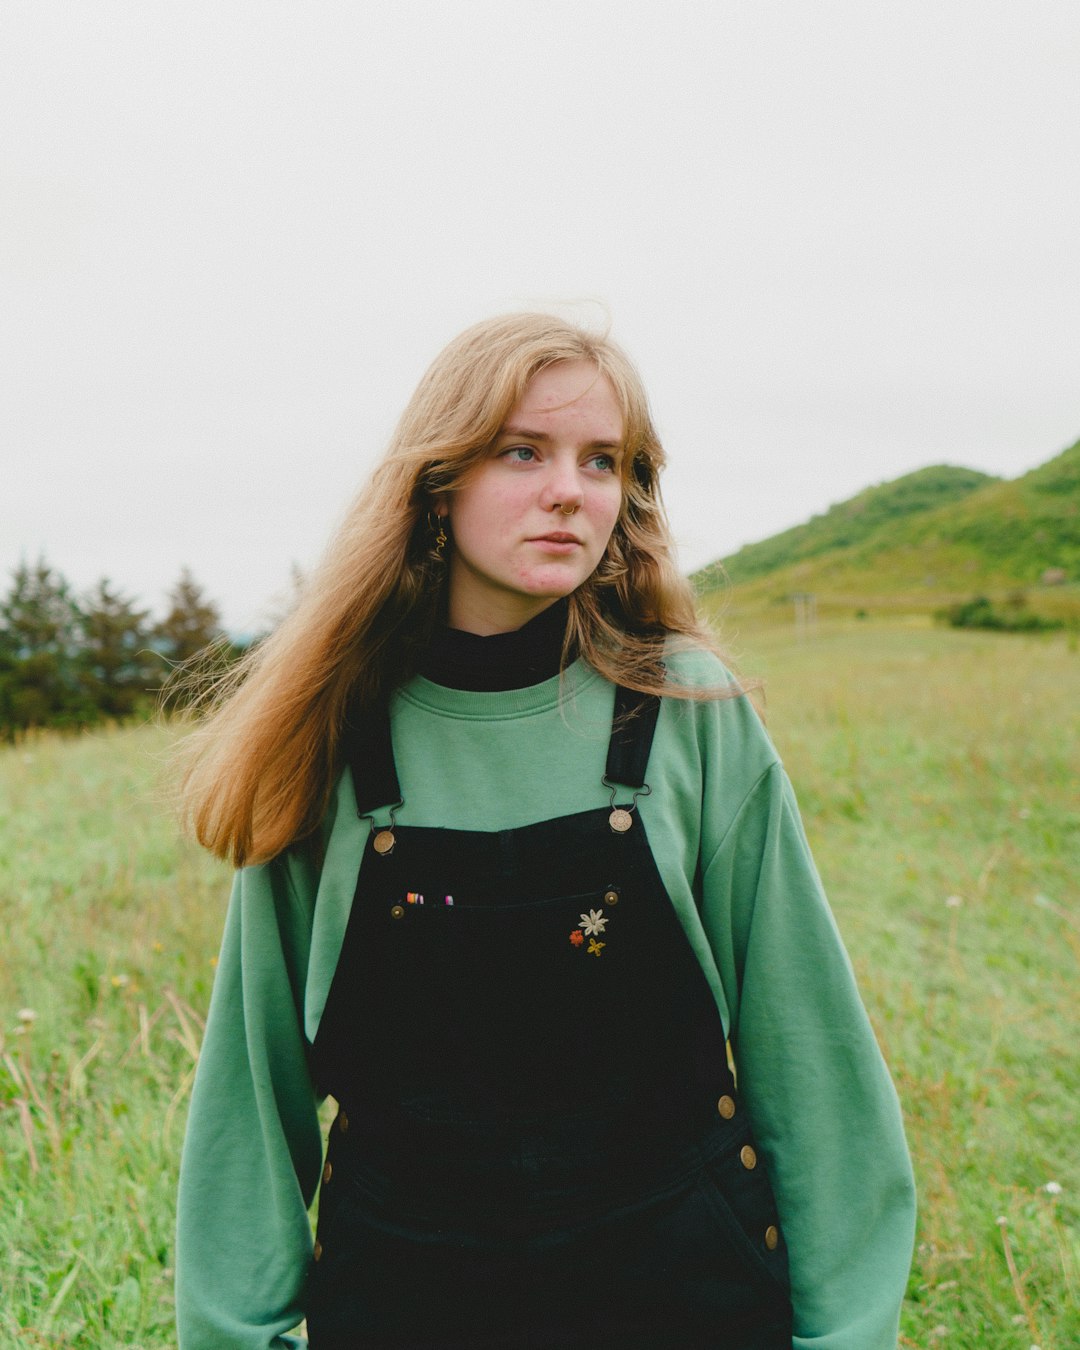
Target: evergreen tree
x,y
39,645
115,662
192,623
191,629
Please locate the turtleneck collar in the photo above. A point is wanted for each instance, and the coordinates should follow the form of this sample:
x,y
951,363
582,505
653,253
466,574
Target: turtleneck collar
x,y
529,655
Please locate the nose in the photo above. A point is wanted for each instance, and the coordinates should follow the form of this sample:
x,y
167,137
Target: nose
x,y
563,490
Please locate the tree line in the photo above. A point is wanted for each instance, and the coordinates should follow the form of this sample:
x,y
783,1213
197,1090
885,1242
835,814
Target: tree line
x,y
71,661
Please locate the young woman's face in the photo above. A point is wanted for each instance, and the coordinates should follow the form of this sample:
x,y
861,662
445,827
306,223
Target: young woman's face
x,y
532,522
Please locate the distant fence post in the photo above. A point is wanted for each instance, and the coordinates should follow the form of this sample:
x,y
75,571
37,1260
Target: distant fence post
x,y
805,612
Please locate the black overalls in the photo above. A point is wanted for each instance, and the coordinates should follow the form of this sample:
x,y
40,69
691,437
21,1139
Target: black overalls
x,y
539,1142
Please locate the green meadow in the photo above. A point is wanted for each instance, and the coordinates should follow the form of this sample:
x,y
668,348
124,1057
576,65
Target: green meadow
x,y
939,776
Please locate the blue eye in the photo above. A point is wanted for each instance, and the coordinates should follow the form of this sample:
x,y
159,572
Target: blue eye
x,y
605,463
520,454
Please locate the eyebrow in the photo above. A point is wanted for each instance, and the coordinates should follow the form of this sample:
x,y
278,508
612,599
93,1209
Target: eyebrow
x,y
528,435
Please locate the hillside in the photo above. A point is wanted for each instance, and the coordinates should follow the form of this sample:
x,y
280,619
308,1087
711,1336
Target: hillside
x,y
931,536
848,523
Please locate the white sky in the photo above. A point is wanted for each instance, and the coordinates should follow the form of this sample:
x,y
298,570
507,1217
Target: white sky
x,y
841,239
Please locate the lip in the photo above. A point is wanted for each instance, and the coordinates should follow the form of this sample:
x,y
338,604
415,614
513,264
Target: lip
x,y
555,537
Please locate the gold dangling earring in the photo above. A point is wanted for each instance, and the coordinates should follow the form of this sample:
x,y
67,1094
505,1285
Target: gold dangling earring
x,y
438,529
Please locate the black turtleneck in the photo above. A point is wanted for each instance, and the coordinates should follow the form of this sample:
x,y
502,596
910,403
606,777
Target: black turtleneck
x,y
529,655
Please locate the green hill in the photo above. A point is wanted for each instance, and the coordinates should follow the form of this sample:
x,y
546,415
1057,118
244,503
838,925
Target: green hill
x,y
934,536
847,523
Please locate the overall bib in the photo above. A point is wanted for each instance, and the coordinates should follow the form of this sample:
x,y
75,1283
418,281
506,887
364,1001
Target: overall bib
x,y
539,1142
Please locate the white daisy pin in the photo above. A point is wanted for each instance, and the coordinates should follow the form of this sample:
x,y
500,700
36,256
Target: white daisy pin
x,y
593,922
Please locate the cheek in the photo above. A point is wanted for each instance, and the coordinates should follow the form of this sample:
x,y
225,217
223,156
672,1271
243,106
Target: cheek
x,y
478,516
608,514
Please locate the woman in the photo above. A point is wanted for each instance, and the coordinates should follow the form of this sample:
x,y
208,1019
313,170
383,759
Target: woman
x,y
517,860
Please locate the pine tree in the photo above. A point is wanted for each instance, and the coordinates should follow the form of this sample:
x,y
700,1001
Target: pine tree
x,y
192,624
39,646
115,661
191,640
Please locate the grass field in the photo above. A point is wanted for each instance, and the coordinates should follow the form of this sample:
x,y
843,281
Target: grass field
x,y
938,774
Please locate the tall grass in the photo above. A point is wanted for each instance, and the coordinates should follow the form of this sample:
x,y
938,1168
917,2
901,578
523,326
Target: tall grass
x,y
109,930
939,779
939,774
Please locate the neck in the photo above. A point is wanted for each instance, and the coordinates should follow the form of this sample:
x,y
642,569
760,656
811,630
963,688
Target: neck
x,y
493,619
458,659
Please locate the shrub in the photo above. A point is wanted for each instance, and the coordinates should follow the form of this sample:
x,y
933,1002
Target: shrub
x,y
1013,617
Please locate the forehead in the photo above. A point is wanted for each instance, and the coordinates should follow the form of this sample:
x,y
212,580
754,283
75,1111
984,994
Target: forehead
x,y
572,392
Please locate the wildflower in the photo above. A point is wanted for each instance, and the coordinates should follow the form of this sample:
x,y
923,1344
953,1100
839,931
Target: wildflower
x,y
159,946
1052,1188
593,922
26,1016
119,981
954,902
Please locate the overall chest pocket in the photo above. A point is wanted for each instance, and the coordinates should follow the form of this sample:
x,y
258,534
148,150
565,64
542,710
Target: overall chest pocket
x,y
506,997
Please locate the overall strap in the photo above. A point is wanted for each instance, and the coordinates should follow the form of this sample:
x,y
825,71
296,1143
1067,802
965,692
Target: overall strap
x,y
370,751
632,729
370,755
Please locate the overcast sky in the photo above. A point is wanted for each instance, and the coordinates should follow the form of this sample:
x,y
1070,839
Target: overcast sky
x,y
839,238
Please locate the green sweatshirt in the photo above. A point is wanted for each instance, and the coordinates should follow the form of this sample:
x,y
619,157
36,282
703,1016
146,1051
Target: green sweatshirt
x,y
721,810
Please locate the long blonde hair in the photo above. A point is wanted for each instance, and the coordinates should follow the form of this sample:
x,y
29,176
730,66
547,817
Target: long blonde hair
x,y
257,772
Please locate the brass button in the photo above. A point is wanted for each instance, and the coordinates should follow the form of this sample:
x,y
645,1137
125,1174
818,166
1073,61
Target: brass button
x,y
772,1237
620,820
397,911
726,1107
747,1157
327,1172
343,1122
384,842
611,897
317,1252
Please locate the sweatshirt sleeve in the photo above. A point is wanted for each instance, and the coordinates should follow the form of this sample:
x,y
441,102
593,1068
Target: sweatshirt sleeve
x,y
820,1099
253,1149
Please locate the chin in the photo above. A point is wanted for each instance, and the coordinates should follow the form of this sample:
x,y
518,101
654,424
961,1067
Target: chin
x,y
553,588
